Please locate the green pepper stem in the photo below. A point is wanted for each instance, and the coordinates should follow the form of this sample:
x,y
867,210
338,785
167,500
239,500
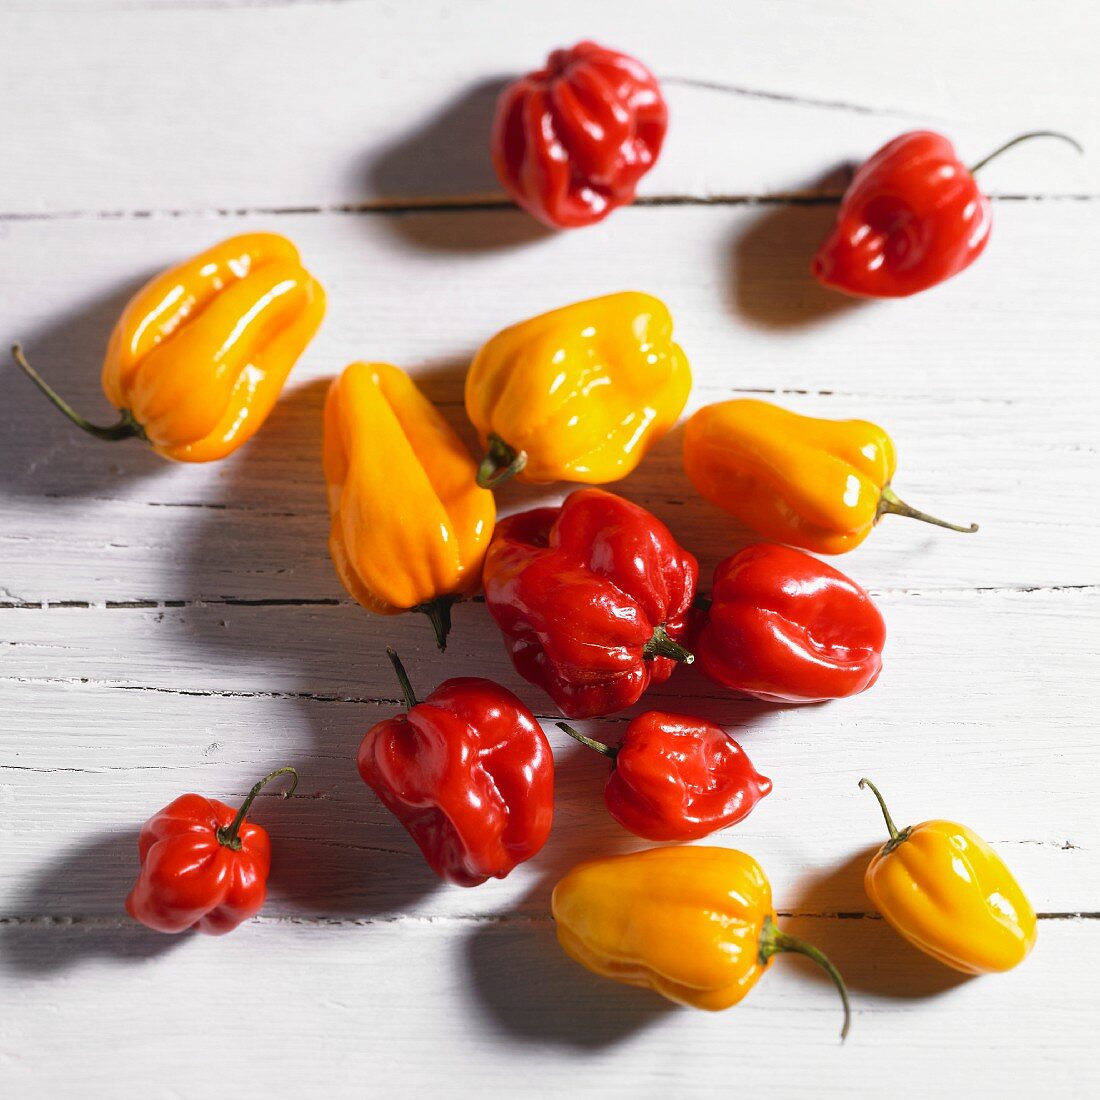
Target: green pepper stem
x,y
126,428
897,836
775,942
605,750
661,645
500,463
402,678
1025,137
439,615
891,504
229,835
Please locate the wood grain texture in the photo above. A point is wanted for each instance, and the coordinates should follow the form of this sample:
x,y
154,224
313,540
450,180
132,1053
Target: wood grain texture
x,y
183,107
167,628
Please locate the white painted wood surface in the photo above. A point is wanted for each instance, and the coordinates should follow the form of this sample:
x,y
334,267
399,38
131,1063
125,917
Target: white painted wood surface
x,y
167,628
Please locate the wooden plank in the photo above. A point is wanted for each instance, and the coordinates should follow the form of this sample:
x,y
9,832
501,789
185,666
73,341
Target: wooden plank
x,y
994,419
116,711
453,1007
214,106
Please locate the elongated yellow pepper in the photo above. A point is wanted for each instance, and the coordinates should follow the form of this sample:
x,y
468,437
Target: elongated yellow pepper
x,y
410,526
579,394
200,354
818,484
695,924
947,892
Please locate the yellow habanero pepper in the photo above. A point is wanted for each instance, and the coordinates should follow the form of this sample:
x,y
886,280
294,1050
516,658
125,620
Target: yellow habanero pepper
x,y
818,484
200,354
947,892
579,394
410,526
695,924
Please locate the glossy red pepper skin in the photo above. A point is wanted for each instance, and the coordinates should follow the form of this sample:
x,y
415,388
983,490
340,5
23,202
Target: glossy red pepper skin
x,y
675,777
912,217
583,592
787,628
470,775
189,878
571,140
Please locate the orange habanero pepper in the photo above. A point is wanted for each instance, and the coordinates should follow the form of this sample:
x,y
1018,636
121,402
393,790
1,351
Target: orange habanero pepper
x,y
410,526
200,354
818,484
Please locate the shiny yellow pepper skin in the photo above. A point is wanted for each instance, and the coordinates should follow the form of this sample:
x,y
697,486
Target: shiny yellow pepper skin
x,y
948,893
410,526
578,394
818,484
695,924
200,354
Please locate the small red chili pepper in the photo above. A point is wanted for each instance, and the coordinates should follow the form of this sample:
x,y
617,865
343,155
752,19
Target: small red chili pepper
x,y
677,778
912,217
468,772
571,140
202,865
591,597
785,627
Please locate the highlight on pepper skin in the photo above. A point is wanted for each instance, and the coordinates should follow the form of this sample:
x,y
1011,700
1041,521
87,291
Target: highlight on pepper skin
x,y
782,626
410,526
818,484
203,866
912,217
695,924
571,140
200,354
949,894
578,394
593,599
675,777
468,772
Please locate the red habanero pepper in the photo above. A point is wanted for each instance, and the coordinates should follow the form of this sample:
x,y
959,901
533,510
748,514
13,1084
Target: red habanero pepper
x,y
571,140
677,778
468,772
787,628
592,598
202,865
912,217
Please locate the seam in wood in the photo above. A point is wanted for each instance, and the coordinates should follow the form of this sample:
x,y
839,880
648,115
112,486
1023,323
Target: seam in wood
x,y
51,921
467,204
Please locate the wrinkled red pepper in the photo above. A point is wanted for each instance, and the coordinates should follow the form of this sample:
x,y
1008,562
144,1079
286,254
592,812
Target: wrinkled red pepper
x,y
785,627
591,597
202,865
571,140
912,217
677,778
468,772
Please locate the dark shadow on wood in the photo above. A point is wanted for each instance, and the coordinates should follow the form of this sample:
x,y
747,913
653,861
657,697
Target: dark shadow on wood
x,y
447,157
94,877
873,958
770,276
338,852
50,457
531,991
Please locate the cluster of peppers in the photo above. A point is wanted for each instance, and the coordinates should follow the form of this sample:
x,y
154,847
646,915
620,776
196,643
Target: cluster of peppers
x,y
595,598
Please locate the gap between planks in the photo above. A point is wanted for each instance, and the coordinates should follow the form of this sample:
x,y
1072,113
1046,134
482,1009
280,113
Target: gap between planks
x,y
16,604
475,204
48,922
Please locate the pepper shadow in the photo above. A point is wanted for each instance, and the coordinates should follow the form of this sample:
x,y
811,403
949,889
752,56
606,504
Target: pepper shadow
x,y
94,877
770,276
46,455
260,590
445,161
528,989
832,912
